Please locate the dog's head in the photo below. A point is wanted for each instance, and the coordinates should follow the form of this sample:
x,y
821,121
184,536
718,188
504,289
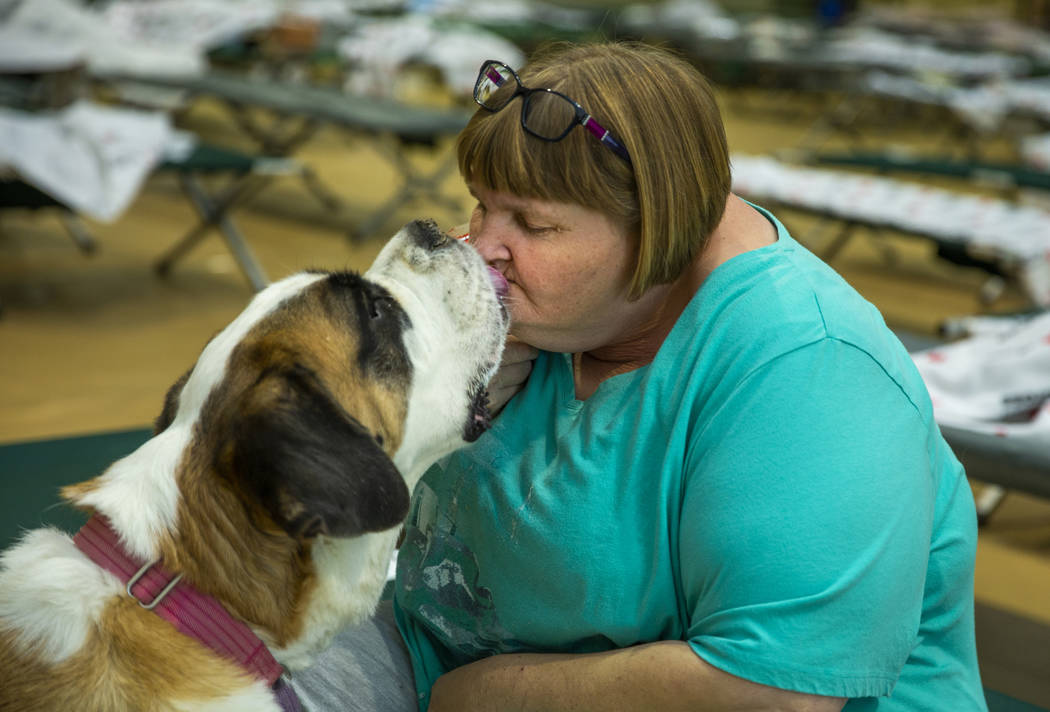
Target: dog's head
x,y
309,418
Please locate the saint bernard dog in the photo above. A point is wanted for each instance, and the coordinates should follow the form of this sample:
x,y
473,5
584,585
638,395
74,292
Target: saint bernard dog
x,y
266,506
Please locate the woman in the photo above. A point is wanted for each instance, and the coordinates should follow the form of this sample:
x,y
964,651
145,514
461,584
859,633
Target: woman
x,y
720,485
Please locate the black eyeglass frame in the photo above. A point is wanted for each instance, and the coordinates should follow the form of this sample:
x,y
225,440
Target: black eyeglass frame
x,y
582,117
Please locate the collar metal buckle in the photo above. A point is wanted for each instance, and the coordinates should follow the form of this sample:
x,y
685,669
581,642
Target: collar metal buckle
x,y
156,599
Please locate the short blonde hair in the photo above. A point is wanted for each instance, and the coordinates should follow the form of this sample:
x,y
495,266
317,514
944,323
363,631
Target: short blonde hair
x,y
673,192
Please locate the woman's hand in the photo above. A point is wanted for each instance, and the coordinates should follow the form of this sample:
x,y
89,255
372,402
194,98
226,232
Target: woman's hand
x,y
514,370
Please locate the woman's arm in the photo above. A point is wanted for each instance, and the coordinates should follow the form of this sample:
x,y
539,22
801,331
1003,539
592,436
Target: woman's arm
x,y
663,676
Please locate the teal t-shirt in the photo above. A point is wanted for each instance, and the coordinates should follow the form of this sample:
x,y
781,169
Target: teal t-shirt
x,y
772,488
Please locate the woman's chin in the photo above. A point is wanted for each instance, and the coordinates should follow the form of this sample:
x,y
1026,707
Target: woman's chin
x,y
543,338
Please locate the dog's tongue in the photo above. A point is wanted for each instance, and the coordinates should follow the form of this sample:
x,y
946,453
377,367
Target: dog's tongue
x,y
499,282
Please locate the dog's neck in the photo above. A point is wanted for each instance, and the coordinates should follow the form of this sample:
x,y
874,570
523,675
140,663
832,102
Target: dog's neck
x,y
295,594
190,612
336,600
292,593
260,576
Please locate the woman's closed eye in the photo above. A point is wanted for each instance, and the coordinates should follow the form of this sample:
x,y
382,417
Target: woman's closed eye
x,y
533,228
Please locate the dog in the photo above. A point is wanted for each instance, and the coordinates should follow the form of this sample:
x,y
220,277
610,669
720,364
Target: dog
x,y
269,497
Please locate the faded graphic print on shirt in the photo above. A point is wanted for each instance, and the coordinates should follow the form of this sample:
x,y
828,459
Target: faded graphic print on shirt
x,y
438,581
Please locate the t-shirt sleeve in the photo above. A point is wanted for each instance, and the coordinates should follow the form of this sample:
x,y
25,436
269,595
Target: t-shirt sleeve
x,y
806,525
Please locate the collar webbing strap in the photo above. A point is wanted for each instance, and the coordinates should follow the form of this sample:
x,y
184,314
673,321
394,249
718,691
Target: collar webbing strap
x,y
191,612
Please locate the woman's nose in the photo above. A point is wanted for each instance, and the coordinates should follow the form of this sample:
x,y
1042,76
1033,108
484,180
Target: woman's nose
x,y
487,241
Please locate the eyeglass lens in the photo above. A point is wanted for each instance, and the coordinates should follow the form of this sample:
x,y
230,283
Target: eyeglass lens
x,y
545,114
496,86
548,115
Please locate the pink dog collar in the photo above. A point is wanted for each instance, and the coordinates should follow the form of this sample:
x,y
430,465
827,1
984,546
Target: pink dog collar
x,y
191,612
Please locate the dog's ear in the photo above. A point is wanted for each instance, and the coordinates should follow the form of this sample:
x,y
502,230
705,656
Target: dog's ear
x,y
171,404
314,468
76,492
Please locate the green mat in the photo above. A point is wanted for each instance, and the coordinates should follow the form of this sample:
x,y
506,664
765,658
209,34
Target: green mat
x,y
998,702
33,472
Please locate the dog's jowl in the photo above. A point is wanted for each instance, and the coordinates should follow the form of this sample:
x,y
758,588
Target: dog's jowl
x,y
260,517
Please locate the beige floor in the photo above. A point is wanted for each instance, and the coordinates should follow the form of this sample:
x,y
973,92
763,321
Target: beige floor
x,y
90,344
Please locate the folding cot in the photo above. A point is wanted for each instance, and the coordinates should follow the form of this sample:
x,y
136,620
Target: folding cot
x,y
16,193
248,174
398,126
1003,463
1008,177
1001,174
1001,457
1001,237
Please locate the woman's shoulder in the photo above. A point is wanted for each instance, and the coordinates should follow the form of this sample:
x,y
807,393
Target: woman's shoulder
x,y
771,301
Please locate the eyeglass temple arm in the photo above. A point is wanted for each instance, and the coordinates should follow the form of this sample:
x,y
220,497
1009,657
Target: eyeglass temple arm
x,y
603,135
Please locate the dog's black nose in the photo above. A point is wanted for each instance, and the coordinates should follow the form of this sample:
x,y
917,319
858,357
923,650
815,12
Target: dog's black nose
x,y
427,234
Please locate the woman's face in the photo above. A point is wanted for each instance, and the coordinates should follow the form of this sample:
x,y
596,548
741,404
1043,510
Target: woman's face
x,y
568,269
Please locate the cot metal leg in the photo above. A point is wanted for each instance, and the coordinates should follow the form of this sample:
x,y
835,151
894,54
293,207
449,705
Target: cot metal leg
x,y
991,289
838,242
278,139
319,190
214,212
415,186
884,246
843,118
988,500
75,227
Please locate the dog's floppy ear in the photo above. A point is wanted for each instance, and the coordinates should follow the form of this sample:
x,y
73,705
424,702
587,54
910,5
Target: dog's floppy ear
x,y
171,404
314,468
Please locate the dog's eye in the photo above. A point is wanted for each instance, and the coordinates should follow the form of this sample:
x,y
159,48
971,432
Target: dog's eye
x,y
380,307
